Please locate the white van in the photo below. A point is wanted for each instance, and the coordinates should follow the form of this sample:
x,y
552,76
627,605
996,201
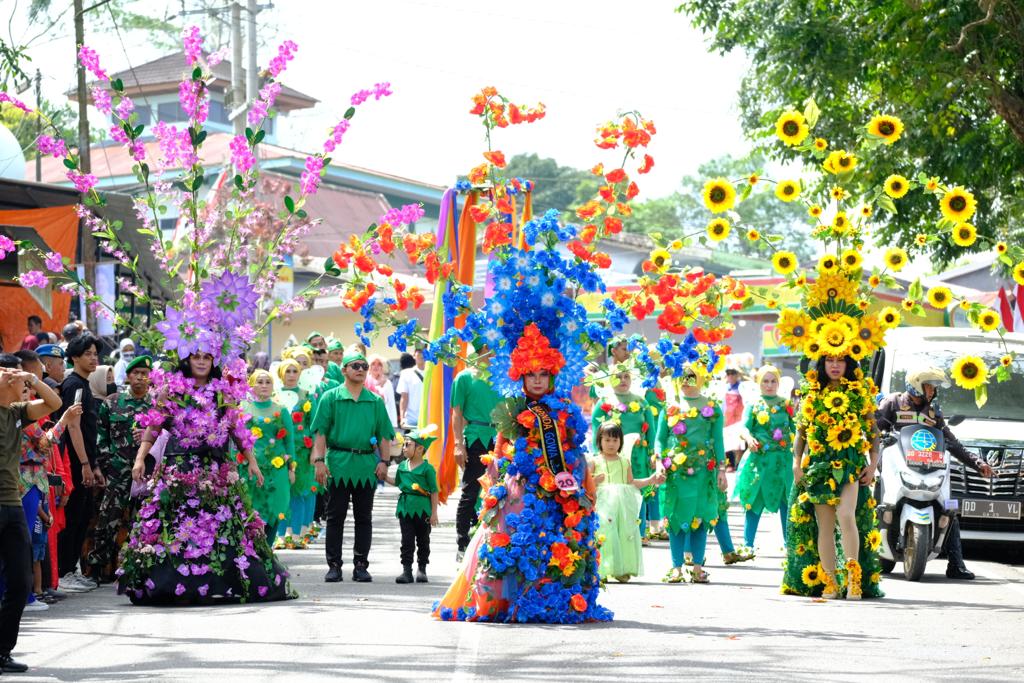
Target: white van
x,y
990,509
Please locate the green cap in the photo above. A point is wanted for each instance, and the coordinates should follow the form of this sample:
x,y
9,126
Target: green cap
x,y
335,345
312,334
424,436
352,354
139,362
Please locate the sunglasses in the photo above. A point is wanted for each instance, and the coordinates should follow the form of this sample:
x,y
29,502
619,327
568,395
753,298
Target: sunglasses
x,y
358,365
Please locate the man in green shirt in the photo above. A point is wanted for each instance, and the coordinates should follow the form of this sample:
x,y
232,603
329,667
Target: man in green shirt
x,y
16,413
117,437
473,401
351,449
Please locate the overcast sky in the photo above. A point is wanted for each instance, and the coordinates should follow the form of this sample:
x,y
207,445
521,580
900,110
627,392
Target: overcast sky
x,y
586,60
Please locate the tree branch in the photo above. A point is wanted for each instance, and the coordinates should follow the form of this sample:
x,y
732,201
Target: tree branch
x,y
990,7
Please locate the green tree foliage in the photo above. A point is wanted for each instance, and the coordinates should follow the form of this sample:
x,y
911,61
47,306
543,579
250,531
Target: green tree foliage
x,y
556,187
683,214
952,70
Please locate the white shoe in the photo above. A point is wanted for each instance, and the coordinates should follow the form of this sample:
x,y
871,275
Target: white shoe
x,y
36,606
68,584
85,581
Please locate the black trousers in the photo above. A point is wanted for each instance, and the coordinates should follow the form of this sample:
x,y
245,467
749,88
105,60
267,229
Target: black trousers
x,y
338,497
16,555
465,514
954,548
415,535
72,537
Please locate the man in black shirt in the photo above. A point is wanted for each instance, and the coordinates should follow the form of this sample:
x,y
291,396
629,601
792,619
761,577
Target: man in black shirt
x,y
81,447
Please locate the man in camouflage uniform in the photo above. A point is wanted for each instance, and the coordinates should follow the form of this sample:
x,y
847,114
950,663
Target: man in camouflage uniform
x,y
118,441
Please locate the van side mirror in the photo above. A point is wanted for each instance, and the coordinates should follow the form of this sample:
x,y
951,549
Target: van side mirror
x,y
955,420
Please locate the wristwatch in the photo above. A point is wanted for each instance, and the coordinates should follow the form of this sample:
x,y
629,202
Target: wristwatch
x,y
316,460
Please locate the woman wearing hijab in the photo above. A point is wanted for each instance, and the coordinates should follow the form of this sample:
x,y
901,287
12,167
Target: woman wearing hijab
x,y
127,348
101,381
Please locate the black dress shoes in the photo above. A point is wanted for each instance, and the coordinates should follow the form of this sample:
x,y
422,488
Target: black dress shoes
x,y
9,666
333,575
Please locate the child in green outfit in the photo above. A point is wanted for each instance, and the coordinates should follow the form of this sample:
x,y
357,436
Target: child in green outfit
x,y
417,503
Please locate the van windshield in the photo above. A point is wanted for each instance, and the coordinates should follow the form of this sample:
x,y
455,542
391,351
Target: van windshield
x,y
1005,399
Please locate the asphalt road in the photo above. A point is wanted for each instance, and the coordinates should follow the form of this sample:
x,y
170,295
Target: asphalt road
x,y
736,627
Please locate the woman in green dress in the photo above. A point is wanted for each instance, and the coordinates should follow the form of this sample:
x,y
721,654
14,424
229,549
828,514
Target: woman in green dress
x,y
766,476
295,531
618,506
271,424
692,461
634,415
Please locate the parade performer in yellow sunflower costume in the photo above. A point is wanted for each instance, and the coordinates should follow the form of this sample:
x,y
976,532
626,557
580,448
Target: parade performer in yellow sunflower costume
x,y
835,453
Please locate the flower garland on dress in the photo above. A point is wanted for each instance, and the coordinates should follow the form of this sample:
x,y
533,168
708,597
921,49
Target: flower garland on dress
x,y
689,465
763,410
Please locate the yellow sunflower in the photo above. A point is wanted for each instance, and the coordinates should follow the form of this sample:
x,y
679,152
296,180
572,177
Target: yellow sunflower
x,y
958,204
753,179
921,239
753,235
820,144
787,190
896,186
873,540
841,224
908,304
811,575
874,282
889,318
964,234
1018,273
835,337
838,193
718,229
836,402
932,184
988,320
661,259
851,259
814,211
1006,360
843,435
719,195
840,162
784,262
871,332
1001,248
792,327
812,349
969,372
889,128
866,211
857,350
895,259
828,264
792,128
939,297
831,285
808,411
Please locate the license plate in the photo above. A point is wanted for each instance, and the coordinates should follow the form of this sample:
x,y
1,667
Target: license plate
x,y
925,458
992,509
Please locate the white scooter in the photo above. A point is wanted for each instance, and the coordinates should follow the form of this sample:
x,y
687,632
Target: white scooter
x,y
914,506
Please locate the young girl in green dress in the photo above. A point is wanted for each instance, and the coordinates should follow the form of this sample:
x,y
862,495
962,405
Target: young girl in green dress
x,y
271,424
618,506
417,503
692,461
766,476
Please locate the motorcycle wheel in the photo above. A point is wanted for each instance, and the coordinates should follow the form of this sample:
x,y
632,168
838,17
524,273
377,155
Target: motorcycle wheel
x,y
915,555
887,565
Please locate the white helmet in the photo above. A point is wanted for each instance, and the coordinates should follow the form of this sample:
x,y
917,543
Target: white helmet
x,y
928,374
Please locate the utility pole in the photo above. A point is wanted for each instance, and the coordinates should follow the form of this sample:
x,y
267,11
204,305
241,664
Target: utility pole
x,y
88,242
252,79
237,85
39,124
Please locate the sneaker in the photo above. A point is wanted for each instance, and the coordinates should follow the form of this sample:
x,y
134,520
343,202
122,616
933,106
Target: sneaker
x,y
55,594
87,582
48,599
36,606
68,584
459,555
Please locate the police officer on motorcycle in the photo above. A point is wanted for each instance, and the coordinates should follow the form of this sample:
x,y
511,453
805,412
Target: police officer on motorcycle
x,y
917,405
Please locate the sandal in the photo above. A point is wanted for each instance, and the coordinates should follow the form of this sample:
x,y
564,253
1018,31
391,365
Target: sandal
x,y
699,576
624,578
732,558
674,575
831,590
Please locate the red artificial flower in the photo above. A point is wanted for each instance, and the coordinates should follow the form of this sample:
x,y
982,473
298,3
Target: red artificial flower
x,y
480,213
644,427
570,506
624,209
365,263
659,392
534,353
297,417
588,210
478,174
616,176
547,482
578,602
607,193
598,170
648,164
385,270
527,419
490,502
497,158
612,225
632,190
504,204
282,432
588,233
497,235
515,115
712,464
307,441
500,540
601,259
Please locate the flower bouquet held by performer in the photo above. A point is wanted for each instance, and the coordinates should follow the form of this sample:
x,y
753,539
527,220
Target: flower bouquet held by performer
x,y
766,475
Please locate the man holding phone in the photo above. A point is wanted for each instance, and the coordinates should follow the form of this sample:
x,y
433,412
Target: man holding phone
x,y
84,353
15,543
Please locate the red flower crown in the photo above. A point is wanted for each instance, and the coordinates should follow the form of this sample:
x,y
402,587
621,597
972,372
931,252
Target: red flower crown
x,y
534,353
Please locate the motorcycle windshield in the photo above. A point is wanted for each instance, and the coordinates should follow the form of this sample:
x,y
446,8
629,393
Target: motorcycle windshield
x,y
923,447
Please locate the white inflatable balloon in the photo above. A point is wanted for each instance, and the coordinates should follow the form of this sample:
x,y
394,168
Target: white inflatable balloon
x,y
310,378
287,398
